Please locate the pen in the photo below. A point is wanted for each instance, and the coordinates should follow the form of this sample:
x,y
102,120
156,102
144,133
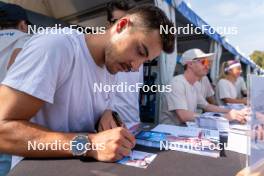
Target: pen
x,y
117,119
119,123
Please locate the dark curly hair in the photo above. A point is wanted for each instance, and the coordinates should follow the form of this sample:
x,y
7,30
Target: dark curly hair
x,y
152,18
117,5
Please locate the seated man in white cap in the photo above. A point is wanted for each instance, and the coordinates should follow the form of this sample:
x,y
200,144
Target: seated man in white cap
x,y
182,102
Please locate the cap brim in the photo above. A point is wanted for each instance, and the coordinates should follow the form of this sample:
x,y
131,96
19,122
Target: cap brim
x,y
208,55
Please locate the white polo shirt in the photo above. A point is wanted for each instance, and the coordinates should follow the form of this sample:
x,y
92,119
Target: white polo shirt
x,y
225,89
183,96
10,39
59,69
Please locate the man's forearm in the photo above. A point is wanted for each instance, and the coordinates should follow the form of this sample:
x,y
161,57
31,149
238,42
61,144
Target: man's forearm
x,y
185,115
214,108
16,137
231,100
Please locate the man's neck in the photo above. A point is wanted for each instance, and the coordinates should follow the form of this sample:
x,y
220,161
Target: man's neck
x,y
96,44
190,77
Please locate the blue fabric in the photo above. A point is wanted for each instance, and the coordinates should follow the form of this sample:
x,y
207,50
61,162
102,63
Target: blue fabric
x,y
178,59
5,164
197,21
169,2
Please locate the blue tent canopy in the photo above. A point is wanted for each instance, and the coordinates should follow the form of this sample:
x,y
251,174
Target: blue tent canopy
x,y
199,22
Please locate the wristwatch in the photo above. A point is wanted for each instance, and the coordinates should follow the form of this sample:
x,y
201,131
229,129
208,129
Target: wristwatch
x,y
80,144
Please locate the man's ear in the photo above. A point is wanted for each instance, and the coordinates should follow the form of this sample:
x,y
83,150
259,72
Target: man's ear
x,y
22,26
189,65
122,24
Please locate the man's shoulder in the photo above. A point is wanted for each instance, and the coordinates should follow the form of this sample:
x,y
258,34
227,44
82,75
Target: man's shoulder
x,y
53,38
178,83
50,40
178,78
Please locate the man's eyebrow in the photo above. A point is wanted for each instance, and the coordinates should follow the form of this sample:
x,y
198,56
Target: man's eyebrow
x,y
145,50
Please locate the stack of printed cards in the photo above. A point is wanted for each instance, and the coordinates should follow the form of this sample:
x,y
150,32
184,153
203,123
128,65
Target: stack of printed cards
x,y
138,159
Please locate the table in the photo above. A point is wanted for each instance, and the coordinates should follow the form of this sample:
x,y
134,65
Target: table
x,y
166,163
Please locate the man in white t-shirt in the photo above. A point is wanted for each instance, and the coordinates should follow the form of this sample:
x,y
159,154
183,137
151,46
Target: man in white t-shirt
x,y
183,100
125,103
49,93
13,35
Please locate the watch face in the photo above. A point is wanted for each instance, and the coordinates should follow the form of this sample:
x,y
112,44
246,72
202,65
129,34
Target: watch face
x,y
79,145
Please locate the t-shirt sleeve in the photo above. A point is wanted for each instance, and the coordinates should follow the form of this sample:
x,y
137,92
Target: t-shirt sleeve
x,y
41,67
223,89
176,99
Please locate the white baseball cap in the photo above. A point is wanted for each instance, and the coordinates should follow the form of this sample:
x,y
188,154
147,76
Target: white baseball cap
x,y
195,53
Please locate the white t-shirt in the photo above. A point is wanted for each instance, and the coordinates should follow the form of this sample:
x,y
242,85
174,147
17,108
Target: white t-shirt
x,y
10,39
183,96
225,89
127,103
60,70
204,87
240,86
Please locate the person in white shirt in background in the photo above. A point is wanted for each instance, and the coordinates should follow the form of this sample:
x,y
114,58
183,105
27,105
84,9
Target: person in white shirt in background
x,y
204,86
125,103
13,34
226,91
241,87
182,102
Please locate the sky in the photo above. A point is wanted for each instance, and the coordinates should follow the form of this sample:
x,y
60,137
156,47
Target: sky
x,y
245,15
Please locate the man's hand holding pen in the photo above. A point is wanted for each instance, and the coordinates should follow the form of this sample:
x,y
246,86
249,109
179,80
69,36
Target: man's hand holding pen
x,y
109,120
113,132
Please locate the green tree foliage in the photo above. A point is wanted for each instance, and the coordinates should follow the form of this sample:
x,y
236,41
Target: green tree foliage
x,y
258,58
